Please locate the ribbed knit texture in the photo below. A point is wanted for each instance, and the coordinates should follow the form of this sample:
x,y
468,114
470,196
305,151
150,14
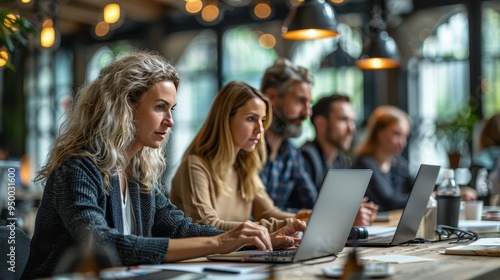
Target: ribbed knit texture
x,y
76,211
193,191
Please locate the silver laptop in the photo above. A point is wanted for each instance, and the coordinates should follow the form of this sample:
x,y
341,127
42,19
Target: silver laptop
x,y
329,225
412,214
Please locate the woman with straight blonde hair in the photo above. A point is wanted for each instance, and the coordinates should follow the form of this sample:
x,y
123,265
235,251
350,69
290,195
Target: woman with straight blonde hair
x,y
101,180
385,139
217,182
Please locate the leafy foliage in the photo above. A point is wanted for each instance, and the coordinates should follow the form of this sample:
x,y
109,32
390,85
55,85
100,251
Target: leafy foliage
x,y
455,134
14,28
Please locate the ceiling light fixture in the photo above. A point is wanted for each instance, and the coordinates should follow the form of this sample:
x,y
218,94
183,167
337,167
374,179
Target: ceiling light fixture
x,y
380,50
311,19
210,13
48,34
193,6
338,58
262,10
4,56
111,13
101,29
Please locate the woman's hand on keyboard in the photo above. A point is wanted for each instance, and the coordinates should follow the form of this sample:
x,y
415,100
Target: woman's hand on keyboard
x,y
287,235
247,233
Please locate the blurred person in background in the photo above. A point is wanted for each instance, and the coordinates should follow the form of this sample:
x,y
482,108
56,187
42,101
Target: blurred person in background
x,y
489,144
385,139
288,87
488,160
334,122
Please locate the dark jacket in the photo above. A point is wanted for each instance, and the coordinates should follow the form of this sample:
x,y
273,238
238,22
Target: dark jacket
x,y
316,164
388,190
76,211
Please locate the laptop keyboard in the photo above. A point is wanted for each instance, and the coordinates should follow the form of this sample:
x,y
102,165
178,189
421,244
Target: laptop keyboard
x,y
279,253
274,256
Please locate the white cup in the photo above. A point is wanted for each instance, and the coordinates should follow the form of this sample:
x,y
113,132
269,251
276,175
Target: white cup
x,y
473,210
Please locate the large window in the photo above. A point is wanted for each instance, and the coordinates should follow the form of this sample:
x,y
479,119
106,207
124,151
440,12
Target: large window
x,y
99,60
245,55
491,58
443,90
50,86
197,66
444,54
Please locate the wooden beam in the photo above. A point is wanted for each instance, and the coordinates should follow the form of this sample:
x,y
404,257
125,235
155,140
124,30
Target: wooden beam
x,y
138,10
80,15
68,27
141,10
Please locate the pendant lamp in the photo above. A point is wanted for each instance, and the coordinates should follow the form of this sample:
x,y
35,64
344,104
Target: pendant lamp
x,y
312,19
380,50
338,58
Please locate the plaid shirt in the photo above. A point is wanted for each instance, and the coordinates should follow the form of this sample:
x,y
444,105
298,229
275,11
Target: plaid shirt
x,y
286,180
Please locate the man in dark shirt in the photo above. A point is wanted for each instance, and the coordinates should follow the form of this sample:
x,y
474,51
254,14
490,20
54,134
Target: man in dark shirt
x,y
334,121
289,88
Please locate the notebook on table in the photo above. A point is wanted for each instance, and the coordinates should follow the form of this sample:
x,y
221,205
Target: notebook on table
x,y
329,225
413,212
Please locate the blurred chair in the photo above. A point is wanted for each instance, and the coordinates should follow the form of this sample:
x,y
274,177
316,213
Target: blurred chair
x,y
17,261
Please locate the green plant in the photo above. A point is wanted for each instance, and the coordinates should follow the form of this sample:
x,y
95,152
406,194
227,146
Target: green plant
x,y
455,133
14,29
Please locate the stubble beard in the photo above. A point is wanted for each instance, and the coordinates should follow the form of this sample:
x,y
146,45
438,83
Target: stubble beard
x,y
285,127
338,143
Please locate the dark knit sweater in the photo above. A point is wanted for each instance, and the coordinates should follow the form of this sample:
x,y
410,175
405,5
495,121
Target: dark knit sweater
x,y
76,210
388,190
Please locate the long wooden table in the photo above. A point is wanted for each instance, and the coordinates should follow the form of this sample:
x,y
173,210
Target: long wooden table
x,y
444,266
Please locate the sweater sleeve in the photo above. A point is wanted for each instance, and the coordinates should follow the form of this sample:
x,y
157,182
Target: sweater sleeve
x,y
268,215
170,221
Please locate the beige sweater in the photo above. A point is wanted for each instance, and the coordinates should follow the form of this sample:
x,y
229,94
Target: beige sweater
x,y
193,192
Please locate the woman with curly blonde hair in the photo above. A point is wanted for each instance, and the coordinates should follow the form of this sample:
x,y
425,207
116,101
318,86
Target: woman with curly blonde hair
x,y
101,178
217,182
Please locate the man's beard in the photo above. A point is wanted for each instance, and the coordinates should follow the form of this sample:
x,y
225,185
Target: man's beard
x,y
337,143
284,127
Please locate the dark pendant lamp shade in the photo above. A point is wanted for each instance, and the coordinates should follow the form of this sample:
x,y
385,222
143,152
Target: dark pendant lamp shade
x,y
380,50
337,58
312,19
381,53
